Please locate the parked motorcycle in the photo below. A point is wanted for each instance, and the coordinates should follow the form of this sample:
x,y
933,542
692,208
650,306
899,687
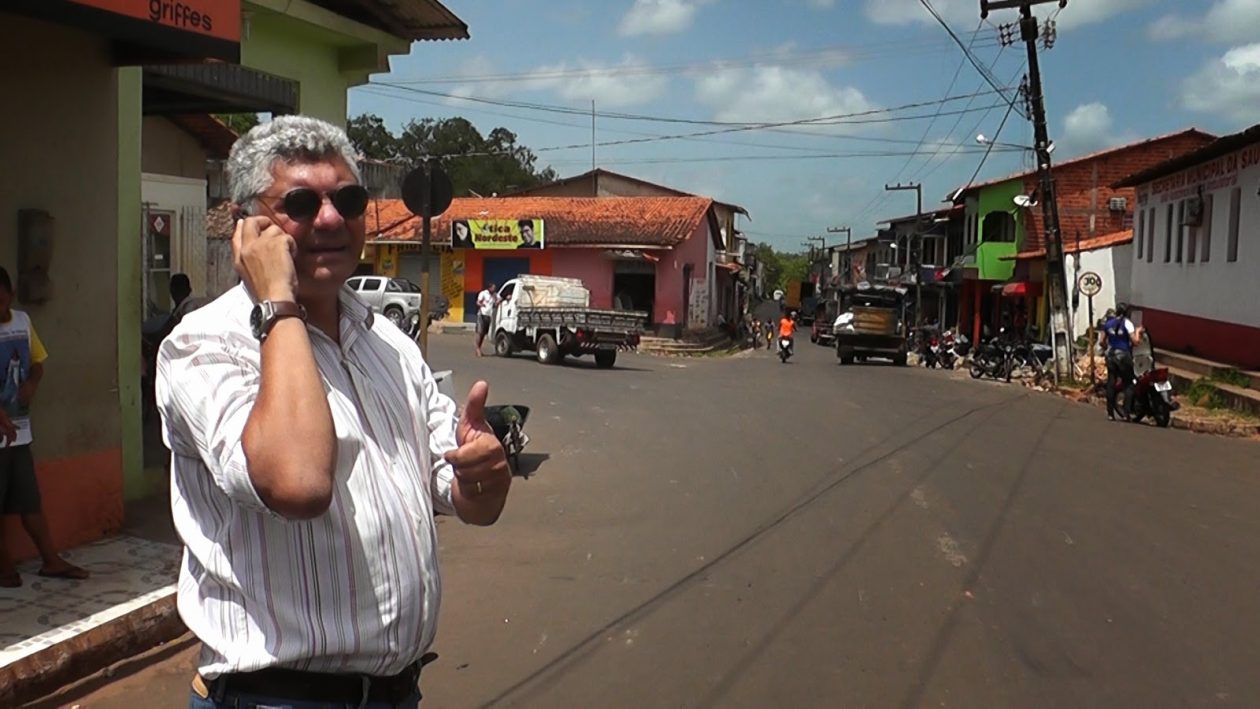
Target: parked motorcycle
x,y
1152,388
993,358
947,351
928,347
785,349
1034,356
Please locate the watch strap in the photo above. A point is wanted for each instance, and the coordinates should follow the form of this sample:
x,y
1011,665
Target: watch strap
x,y
272,311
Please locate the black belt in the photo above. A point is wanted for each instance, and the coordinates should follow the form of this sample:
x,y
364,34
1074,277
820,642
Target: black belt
x,y
320,687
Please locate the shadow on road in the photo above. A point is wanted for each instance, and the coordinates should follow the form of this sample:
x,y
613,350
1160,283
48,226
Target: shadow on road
x,y
530,463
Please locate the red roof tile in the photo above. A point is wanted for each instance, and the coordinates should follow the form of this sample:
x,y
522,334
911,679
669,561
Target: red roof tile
x,y
1057,166
1070,246
570,221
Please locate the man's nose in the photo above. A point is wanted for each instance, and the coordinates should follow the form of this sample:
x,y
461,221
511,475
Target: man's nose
x,y
328,218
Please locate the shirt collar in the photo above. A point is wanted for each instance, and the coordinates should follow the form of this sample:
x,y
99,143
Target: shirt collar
x,y
354,313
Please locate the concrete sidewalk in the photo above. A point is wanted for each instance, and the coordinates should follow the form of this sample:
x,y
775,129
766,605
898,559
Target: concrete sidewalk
x,y
56,631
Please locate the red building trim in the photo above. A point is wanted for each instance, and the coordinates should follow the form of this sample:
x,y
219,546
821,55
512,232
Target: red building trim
x,y
1228,343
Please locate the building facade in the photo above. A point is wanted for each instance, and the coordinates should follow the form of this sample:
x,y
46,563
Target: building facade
x,y
1196,251
1004,217
652,254
99,80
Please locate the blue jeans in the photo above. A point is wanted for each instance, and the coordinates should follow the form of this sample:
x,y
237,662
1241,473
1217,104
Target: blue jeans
x,y
233,700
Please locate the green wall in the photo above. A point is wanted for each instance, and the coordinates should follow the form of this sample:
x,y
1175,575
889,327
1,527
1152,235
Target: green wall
x,y
129,276
999,198
281,46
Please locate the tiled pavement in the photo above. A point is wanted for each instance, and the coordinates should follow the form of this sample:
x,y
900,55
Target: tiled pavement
x,y
127,574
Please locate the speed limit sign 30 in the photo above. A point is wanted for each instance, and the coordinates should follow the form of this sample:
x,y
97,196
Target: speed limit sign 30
x,y
1090,284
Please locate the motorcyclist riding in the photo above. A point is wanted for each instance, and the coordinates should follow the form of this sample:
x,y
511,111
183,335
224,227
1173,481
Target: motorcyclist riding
x,y
787,328
1121,335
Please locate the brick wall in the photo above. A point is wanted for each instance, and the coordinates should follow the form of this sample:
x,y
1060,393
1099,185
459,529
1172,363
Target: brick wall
x,y
1084,188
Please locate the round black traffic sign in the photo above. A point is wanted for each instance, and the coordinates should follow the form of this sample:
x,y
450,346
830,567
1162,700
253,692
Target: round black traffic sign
x,y
427,192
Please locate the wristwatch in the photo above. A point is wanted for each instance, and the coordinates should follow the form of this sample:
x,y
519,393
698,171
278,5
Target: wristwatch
x,y
265,314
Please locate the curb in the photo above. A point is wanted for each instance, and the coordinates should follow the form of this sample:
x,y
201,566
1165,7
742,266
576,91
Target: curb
x,y
1194,425
48,670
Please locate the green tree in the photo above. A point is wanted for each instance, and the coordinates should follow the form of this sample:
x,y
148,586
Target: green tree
x,y
477,164
781,267
240,123
371,138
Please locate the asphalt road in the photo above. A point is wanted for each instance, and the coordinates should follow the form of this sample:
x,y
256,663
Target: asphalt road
x,y
737,532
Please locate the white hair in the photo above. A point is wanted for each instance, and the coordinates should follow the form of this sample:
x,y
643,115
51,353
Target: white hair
x,y
288,139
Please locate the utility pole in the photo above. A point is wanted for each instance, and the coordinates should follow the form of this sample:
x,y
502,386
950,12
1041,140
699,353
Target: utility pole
x,y
592,135
918,224
848,245
1056,273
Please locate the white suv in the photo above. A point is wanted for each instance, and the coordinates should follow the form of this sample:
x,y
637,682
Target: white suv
x,y
398,299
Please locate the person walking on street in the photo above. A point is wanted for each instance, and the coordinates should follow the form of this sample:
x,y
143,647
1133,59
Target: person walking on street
x,y
487,300
23,354
1121,337
311,449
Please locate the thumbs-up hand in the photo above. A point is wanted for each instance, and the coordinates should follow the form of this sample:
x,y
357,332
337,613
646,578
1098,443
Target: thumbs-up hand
x,y
482,476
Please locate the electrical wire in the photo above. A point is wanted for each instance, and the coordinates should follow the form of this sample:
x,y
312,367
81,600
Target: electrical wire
x,y
984,71
845,53
384,93
990,146
880,197
586,113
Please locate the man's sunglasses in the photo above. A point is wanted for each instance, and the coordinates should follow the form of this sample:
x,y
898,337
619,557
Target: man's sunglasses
x,y
303,203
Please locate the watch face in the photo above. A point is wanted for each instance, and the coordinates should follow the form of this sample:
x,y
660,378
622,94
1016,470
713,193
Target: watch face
x,y
256,321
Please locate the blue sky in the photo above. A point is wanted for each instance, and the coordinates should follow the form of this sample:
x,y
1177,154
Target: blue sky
x,y
1120,70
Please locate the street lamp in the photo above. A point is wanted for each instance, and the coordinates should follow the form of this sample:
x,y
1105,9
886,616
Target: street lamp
x,y
983,140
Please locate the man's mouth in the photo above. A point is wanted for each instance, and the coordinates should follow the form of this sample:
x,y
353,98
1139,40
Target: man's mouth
x,y
326,249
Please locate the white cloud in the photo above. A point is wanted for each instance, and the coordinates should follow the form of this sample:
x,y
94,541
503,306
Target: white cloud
x,y
659,16
1089,127
582,80
1227,86
1227,22
964,14
821,4
775,94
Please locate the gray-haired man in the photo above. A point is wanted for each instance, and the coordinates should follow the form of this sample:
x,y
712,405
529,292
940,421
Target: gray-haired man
x,y
311,450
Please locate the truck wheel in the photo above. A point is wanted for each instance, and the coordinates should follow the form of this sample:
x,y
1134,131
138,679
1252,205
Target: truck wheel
x,y
503,344
900,360
846,357
548,351
395,315
605,359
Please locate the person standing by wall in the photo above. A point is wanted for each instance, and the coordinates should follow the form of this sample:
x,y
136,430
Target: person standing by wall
x,y
23,354
487,299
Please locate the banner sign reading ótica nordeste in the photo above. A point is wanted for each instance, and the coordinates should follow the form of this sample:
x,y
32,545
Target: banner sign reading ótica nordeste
x,y
502,234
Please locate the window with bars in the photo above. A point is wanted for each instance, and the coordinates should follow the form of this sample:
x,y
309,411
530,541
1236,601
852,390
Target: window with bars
x,y
1142,232
1181,228
1235,205
1168,234
1206,235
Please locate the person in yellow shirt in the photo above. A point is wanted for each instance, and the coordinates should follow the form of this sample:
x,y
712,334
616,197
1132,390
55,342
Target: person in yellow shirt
x,y
23,354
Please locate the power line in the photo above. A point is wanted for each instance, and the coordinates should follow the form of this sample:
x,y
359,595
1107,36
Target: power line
x,y
846,53
990,146
585,113
880,197
754,158
976,127
383,92
984,71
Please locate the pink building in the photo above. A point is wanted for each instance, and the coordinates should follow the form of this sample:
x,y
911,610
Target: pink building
x,y
653,254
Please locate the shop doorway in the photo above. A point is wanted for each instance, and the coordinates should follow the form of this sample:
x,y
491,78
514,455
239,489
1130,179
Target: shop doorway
x,y
634,291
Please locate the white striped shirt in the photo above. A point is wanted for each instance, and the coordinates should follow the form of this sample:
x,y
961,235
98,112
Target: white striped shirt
x,y
355,590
